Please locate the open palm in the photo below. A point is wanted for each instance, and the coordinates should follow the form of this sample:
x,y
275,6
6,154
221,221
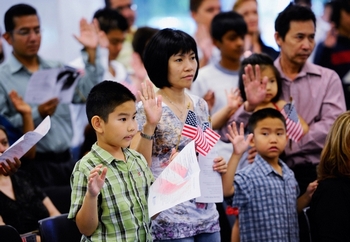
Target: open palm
x,y
240,144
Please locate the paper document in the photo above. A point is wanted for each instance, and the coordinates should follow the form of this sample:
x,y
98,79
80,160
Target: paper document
x,y
210,180
26,142
46,84
179,182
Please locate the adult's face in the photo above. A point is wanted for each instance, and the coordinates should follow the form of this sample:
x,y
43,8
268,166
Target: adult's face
x,y
125,8
206,12
249,11
298,42
26,36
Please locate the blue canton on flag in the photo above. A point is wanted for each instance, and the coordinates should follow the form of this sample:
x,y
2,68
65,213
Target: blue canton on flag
x,y
294,128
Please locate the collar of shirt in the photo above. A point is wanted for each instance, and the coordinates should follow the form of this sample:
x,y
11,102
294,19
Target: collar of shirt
x,y
267,168
16,66
106,156
307,69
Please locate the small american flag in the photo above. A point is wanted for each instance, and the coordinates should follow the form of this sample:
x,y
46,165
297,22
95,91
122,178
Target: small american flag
x,y
294,128
211,135
190,127
193,131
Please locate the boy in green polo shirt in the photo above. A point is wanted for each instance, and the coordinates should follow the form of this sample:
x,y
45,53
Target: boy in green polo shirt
x,y
110,184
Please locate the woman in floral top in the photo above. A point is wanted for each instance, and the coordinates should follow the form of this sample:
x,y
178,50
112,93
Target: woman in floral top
x,y
171,62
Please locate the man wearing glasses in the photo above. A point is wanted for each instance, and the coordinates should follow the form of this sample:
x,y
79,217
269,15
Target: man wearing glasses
x,y
53,162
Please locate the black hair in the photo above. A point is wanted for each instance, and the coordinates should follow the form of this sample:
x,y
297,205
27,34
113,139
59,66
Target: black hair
x,y
227,21
17,10
337,6
292,13
307,3
110,19
105,97
141,38
262,114
263,60
164,44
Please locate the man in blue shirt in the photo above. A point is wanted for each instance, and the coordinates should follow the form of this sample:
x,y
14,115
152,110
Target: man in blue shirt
x,y
53,162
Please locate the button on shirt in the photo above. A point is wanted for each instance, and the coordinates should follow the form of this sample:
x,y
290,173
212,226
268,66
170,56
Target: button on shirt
x,y
267,203
122,203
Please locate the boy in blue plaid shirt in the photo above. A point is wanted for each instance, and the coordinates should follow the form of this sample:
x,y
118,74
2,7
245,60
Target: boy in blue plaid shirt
x,y
110,184
265,192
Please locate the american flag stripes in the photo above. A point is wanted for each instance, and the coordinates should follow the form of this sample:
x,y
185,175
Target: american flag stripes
x,y
205,138
294,128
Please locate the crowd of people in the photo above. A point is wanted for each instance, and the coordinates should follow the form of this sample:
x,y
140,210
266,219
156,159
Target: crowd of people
x,y
281,115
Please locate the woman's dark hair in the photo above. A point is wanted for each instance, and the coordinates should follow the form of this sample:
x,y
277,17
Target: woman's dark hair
x,y
164,44
263,61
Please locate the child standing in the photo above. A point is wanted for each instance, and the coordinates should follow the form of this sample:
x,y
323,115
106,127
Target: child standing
x,y
265,192
329,208
110,184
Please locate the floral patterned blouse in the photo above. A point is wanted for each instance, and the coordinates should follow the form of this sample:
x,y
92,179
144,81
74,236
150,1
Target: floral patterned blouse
x,y
189,218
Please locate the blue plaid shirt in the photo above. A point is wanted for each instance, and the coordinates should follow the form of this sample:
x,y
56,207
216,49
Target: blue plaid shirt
x,y
267,203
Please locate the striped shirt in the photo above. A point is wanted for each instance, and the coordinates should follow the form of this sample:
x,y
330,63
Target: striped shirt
x,y
267,202
122,203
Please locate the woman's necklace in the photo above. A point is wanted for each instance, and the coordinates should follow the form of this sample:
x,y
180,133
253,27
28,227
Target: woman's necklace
x,y
180,110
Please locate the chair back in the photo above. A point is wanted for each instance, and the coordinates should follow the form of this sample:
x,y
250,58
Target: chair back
x,y
9,234
59,229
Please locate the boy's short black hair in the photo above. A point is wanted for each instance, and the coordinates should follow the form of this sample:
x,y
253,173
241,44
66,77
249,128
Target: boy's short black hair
x,y
109,19
164,44
105,97
17,10
227,21
141,39
291,13
263,60
263,114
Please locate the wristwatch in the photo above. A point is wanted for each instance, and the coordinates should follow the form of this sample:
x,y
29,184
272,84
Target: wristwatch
x,y
146,136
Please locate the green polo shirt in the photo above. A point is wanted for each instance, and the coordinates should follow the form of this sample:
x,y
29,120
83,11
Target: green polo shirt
x,y
122,203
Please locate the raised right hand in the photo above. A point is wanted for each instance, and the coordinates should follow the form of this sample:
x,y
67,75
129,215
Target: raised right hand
x,y
240,144
48,107
151,103
254,87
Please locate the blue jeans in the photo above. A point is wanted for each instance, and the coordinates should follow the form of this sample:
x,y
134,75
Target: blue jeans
x,y
205,237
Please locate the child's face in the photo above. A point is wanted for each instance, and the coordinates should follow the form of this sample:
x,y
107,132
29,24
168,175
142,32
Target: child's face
x,y
271,87
231,46
120,127
182,69
270,138
116,39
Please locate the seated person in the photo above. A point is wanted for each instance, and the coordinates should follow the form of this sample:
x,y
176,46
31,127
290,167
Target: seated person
x,y
22,203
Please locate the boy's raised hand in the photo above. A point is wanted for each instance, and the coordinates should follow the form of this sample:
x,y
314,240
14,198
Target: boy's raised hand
x,y
96,180
151,103
239,143
254,87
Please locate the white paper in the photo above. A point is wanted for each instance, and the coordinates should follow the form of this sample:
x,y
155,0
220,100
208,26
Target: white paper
x,y
179,182
46,84
26,142
210,180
